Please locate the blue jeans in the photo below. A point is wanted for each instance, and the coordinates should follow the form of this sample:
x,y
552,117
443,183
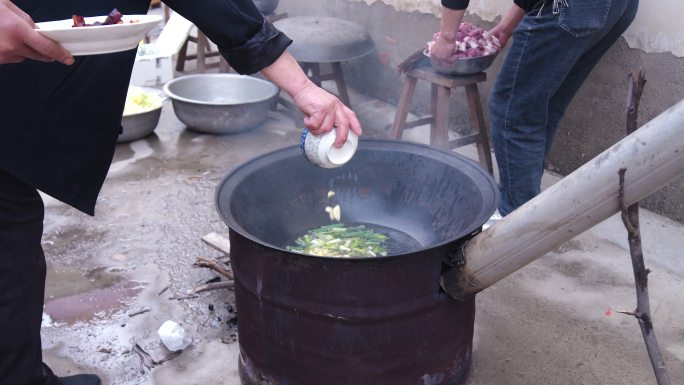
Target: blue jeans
x,y
553,50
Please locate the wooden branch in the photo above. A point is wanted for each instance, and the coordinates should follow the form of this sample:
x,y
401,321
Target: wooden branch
x,y
169,357
163,290
218,242
184,297
141,311
214,286
214,265
630,218
146,360
635,88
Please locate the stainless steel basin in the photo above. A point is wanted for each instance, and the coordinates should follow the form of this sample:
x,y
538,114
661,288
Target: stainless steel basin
x,y
221,103
467,66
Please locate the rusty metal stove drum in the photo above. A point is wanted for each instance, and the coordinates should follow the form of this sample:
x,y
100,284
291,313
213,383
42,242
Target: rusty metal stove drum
x,y
307,320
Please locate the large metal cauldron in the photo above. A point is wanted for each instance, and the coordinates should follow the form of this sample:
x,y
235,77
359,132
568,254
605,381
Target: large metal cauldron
x,y
306,320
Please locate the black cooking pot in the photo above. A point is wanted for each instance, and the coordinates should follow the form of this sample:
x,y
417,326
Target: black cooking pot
x,y
316,320
434,197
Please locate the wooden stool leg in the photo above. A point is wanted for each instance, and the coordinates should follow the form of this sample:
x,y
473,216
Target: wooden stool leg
x,y
224,67
439,134
182,55
202,46
339,81
480,127
315,73
403,107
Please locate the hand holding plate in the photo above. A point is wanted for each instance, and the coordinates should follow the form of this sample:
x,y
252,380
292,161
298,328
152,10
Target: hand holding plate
x,y
20,40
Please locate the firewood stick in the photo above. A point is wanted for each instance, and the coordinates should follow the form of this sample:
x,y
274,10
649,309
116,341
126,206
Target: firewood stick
x,y
630,218
146,361
183,297
218,242
214,265
214,286
141,311
164,289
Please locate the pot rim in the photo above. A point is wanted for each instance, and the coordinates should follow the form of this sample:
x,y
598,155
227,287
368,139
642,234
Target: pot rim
x,y
240,172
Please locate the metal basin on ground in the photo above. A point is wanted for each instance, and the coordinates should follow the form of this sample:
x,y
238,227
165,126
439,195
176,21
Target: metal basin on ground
x,y
221,103
385,321
137,124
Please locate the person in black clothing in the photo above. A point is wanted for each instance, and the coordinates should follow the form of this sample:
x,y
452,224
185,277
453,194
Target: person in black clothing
x,y
555,45
48,141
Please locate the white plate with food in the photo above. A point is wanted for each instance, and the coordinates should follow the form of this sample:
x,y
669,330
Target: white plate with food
x,y
94,39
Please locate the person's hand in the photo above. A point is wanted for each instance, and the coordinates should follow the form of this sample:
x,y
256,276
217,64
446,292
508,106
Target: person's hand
x,y
501,33
443,47
504,30
442,50
20,41
323,112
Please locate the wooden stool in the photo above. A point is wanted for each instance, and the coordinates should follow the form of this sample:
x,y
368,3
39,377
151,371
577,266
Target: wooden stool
x,y
319,40
439,118
313,71
203,52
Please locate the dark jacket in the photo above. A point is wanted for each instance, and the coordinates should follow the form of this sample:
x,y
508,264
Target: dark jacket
x,y
527,5
59,124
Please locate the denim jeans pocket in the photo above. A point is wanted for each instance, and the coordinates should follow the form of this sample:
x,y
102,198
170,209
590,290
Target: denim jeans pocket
x,y
583,17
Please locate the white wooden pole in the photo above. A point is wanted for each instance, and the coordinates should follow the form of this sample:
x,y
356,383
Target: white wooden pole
x,y
653,156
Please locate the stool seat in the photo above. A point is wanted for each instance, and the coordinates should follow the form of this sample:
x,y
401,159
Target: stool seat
x,y
318,39
441,86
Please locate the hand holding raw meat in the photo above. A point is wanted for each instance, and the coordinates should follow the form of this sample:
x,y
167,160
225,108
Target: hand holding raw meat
x,y
471,41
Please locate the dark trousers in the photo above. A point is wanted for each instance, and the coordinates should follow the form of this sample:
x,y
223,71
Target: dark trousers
x,y
551,55
22,284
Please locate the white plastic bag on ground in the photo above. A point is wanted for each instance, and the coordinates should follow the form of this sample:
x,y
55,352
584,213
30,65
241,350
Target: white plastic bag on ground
x,y
172,335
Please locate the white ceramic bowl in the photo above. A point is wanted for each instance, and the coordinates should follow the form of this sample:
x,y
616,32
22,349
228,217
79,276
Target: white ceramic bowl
x,y
321,151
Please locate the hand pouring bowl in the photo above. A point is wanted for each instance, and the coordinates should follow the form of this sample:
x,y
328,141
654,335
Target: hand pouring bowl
x,y
307,319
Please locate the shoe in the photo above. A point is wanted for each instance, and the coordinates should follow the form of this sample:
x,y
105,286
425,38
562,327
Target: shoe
x,y
80,379
492,220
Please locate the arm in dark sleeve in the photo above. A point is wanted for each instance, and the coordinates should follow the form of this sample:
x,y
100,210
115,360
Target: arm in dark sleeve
x,y
455,4
524,4
244,38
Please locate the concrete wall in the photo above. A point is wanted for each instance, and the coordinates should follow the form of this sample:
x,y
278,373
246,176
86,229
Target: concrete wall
x,y
595,119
